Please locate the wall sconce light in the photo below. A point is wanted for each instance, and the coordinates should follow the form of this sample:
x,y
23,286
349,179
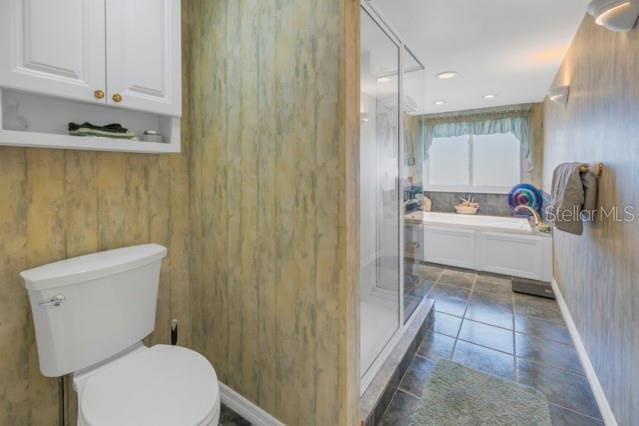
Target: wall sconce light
x,y
616,15
559,95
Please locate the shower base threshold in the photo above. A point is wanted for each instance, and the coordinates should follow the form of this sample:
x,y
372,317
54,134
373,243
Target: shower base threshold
x,y
379,393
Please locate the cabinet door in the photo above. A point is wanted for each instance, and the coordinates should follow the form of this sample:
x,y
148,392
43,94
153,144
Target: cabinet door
x,y
53,47
510,254
144,55
454,247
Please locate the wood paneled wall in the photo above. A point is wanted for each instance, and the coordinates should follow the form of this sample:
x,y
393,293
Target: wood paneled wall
x,y
274,166
598,273
57,204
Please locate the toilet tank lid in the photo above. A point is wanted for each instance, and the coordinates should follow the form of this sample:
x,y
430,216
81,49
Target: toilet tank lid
x,y
92,266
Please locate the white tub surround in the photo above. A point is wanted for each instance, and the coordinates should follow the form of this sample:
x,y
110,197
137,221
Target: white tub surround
x,y
502,245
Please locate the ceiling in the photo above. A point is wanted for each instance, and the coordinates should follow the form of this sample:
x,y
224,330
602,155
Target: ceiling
x,y
511,48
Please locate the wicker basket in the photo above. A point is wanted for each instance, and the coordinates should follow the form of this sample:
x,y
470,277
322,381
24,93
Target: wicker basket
x,y
461,209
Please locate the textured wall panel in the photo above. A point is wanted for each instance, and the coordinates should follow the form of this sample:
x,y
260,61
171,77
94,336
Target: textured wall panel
x,y
598,272
274,134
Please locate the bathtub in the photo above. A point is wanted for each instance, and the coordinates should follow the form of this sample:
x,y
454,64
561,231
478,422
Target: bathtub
x,y
503,245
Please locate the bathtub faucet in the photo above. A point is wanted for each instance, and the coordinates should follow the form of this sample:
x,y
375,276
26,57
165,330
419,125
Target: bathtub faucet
x,y
535,213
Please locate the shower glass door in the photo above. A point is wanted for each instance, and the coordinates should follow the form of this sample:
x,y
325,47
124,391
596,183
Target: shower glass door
x,y
379,190
415,289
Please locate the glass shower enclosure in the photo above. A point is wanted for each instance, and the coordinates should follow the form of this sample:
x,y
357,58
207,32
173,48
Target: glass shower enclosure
x,y
381,191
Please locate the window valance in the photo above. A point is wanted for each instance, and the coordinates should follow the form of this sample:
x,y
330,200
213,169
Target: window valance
x,y
517,122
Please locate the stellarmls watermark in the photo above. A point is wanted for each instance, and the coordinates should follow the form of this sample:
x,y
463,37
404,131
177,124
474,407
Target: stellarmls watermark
x,y
614,214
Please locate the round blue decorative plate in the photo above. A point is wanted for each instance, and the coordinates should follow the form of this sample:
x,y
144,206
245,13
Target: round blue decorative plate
x,y
525,194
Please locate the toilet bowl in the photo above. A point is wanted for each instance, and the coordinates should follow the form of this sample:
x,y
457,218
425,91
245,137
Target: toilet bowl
x,y
161,385
90,315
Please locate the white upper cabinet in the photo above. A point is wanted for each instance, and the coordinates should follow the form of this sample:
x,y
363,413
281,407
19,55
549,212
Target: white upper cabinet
x,y
124,53
143,55
53,47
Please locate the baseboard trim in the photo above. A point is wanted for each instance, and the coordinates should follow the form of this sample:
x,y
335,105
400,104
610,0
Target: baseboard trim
x,y
246,408
595,385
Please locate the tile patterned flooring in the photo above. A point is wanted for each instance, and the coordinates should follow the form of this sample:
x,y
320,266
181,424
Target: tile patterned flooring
x,y
481,323
229,417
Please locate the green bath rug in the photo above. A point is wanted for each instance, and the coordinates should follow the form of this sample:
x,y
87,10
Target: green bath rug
x,y
457,395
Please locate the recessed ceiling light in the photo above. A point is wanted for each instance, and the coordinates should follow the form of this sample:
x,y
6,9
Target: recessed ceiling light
x,y
447,75
383,79
490,96
442,102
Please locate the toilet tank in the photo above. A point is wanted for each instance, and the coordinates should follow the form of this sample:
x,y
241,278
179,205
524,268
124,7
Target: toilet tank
x,y
87,309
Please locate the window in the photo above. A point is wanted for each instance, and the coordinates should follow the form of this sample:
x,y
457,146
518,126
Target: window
x,y
486,163
449,163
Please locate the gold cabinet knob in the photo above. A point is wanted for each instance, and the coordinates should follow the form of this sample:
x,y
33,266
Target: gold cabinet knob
x,y
99,94
117,97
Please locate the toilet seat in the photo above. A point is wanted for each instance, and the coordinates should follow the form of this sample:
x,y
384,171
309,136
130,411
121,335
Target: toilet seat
x,y
161,385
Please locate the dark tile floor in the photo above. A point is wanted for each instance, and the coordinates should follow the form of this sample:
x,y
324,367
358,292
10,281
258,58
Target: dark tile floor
x,y
229,417
481,323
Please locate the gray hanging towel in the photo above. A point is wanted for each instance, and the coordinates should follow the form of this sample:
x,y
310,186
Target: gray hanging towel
x,y
590,183
572,193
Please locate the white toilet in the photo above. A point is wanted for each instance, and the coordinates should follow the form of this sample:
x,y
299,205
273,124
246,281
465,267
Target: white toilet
x,y
91,314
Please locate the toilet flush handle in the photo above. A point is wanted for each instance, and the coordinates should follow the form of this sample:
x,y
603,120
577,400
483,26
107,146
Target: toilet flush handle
x,y
56,300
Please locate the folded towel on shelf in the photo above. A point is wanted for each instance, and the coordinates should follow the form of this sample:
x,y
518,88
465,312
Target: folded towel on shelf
x,y
573,192
114,130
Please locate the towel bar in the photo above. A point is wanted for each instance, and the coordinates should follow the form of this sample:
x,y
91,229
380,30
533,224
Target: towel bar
x,y
596,169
